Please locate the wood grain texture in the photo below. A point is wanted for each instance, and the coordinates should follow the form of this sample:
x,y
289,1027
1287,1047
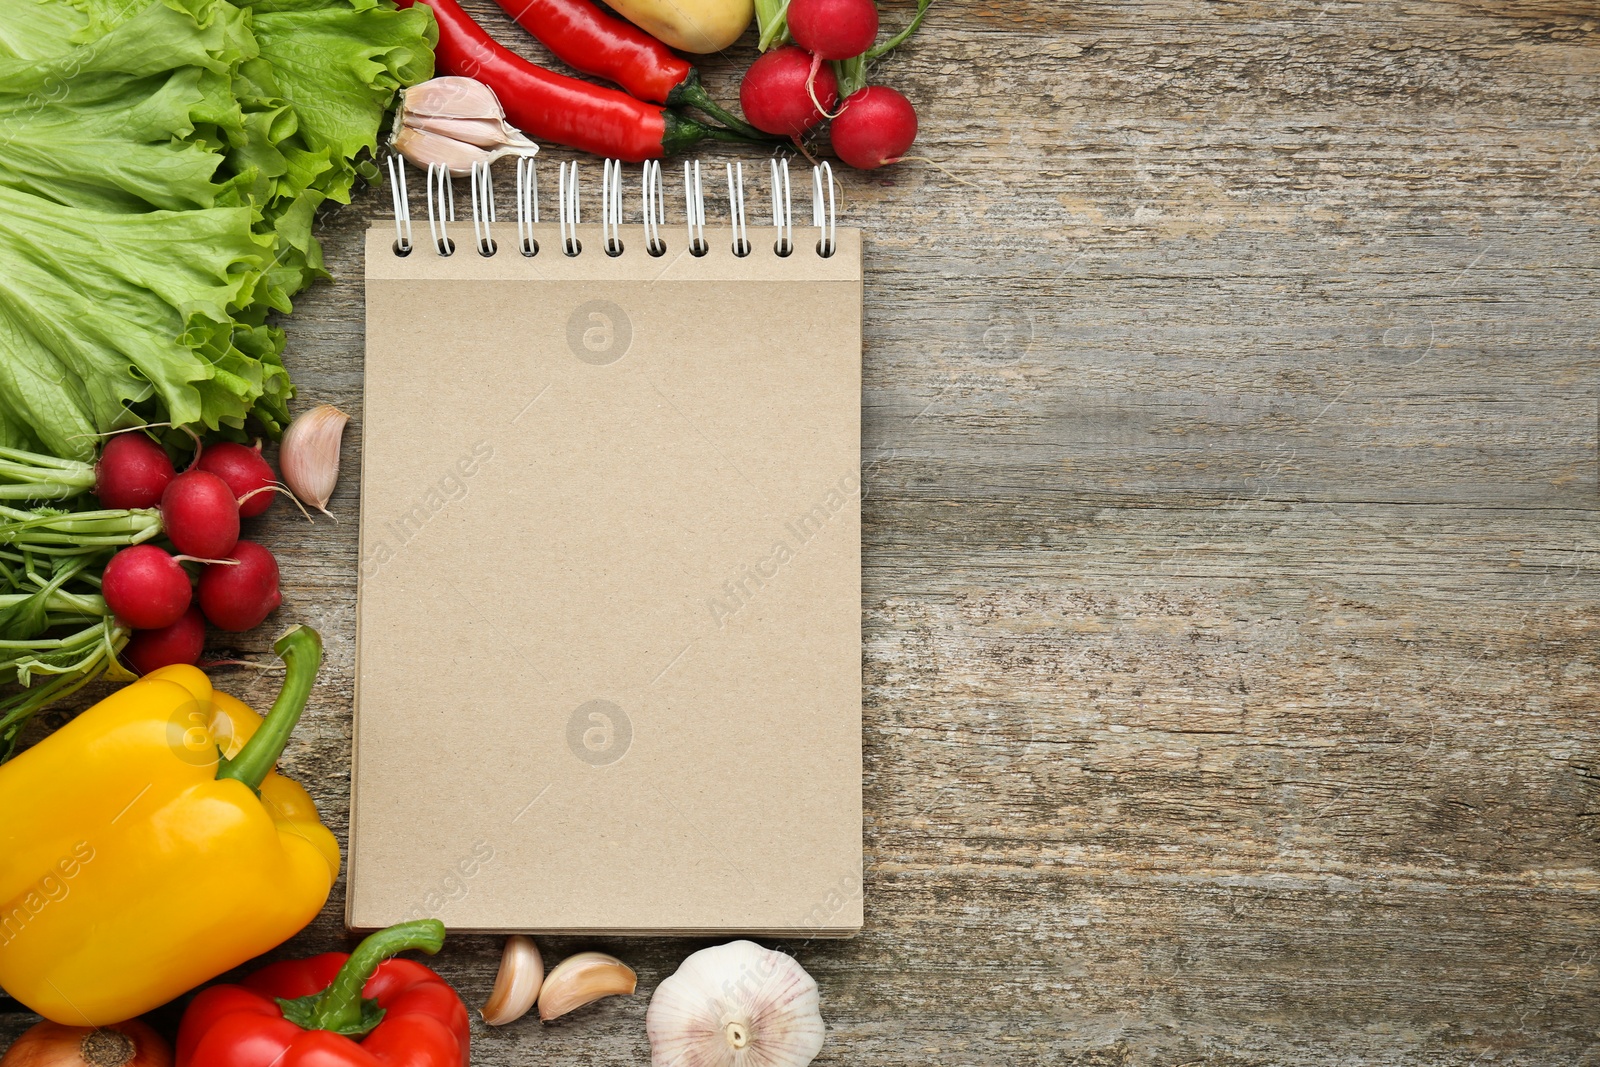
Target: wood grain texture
x,y
1230,549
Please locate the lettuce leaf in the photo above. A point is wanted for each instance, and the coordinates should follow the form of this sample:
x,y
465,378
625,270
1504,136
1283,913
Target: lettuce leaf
x,y
110,125
161,165
149,315
340,64
38,29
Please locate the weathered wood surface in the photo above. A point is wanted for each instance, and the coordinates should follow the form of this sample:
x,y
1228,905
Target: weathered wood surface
x,y
1230,547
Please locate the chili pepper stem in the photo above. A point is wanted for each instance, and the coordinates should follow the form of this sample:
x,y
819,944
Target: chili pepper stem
x,y
717,133
301,651
690,93
683,132
341,1008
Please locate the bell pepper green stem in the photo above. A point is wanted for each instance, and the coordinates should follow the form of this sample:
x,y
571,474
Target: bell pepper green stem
x,y
301,652
339,1007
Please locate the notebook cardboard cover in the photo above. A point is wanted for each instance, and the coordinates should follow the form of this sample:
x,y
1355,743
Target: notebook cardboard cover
x,y
608,643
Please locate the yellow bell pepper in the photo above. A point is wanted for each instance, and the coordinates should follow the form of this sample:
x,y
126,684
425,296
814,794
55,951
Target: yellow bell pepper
x,y
147,846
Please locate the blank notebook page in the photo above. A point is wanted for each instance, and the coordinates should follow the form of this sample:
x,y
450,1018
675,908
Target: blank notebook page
x,y
609,648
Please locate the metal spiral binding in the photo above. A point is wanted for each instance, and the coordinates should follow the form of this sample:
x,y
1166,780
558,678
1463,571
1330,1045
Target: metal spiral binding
x,y
741,232
483,212
655,208
441,207
527,205
611,207
568,207
402,205
694,201
440,195
782,208
826,222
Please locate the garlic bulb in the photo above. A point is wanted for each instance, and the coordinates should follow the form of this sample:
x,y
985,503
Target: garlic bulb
x,y
583,979
309,454
735,1005
516,986
456,122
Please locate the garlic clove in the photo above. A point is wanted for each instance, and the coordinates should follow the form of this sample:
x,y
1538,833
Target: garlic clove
x,y
309,455
422,147
516,986
482,133
455,122
455,96
584,979
735,1005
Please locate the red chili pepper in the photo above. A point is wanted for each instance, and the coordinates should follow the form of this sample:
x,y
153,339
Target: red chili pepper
x,y
587,39
553,107
584,37
360,1010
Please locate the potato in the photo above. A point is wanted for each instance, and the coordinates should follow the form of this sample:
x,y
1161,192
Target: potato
x,y
689,25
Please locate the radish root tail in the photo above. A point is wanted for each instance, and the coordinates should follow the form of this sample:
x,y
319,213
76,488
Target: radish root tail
x,y
935,163
276,665
799,146
199,447
125,429
811,89
277,487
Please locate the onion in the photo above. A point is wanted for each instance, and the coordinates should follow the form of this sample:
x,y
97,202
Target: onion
x,y
129,1044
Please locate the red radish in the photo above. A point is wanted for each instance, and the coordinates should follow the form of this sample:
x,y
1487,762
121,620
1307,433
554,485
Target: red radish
x,y
201,515
247,474
833,29
132,473
145,588
238,596
776,98
875,126
181,642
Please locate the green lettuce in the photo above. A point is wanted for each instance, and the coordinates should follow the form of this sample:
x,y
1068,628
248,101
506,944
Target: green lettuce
x,y
339,66
161,166
121,124
148,315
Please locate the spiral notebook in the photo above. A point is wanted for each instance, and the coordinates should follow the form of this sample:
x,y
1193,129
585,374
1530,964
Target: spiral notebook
x,y
609,645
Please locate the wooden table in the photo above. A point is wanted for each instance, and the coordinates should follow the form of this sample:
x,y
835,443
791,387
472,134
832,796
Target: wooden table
x,y
1231,560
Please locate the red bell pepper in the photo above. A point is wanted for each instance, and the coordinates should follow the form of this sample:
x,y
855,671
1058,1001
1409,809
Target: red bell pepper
x,y
334,1010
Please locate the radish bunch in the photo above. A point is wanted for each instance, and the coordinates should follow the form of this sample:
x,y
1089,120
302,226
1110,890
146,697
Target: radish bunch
x,y
791,89
146,587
